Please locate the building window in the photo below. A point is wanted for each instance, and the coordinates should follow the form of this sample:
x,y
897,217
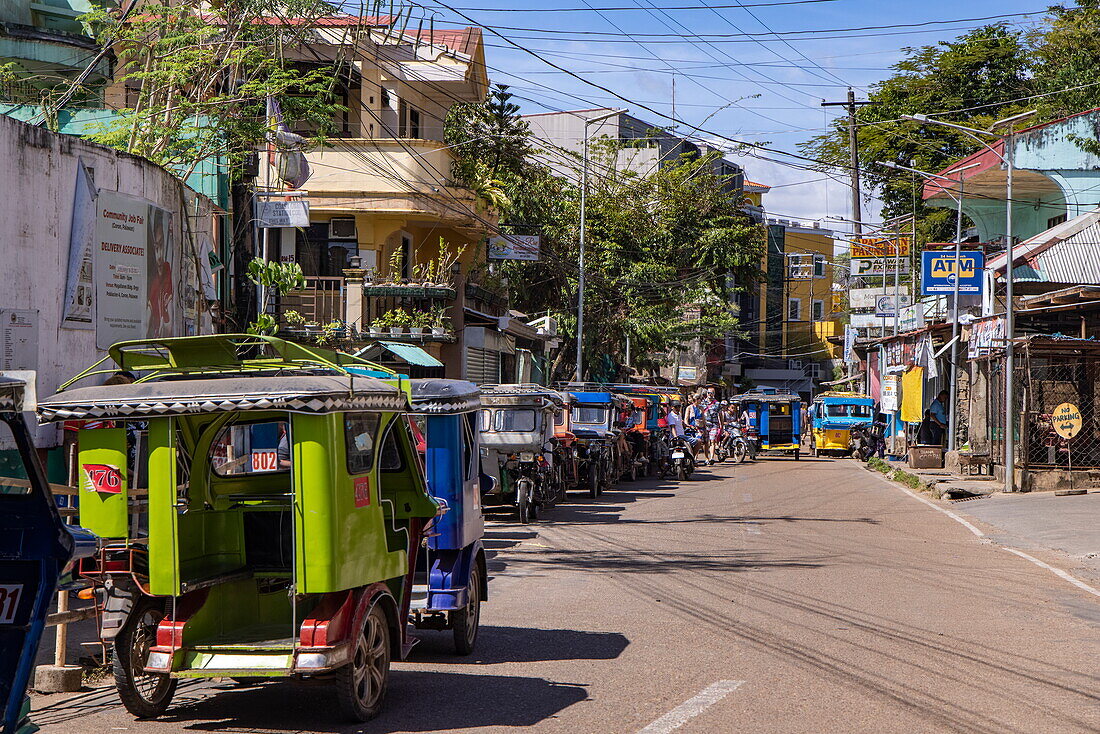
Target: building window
x,y
819,266
1055,221
414,124
819,310
794,309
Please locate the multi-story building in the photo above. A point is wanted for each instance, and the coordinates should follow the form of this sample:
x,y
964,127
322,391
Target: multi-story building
x,y
390,232
638,146
46,45
789,315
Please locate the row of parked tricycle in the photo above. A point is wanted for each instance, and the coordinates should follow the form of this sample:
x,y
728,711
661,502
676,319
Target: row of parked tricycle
x,y
253,509
538,443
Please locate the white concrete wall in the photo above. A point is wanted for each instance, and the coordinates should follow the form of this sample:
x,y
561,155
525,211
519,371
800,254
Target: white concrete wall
x,y
38,171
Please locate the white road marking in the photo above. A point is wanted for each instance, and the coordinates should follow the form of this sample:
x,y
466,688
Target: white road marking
x,y
692,707
1056,571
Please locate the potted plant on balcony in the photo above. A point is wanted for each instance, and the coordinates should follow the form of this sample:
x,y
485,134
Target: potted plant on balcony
x,y
418,322
439,321
395,320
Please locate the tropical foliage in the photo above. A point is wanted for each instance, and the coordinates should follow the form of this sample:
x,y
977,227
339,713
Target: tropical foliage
x,y
661,248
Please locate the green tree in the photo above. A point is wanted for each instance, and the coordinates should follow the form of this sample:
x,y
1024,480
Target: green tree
x,y
659,247
1067,54
970,77
201,74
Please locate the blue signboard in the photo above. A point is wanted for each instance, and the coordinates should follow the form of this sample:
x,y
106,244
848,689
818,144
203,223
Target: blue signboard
x,y
938,272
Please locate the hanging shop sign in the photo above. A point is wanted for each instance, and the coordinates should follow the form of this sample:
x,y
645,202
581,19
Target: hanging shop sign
x,y
986,336
1066,420
880,247
272,213
868,297
887,306
911,317
939,271
878,266
514,247
849,343
891,390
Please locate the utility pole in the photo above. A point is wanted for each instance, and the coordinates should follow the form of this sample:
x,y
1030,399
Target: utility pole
x,y
853,153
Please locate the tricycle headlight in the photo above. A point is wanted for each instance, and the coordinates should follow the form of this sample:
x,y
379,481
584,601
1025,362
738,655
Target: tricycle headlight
x,y
527,456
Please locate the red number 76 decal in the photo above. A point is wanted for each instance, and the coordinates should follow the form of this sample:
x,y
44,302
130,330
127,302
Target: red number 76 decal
x,y
104,478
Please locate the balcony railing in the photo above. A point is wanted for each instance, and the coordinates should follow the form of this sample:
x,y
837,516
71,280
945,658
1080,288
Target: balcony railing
x,y
321,301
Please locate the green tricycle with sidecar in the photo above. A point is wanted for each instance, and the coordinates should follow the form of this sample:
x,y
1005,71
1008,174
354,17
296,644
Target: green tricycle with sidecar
x,y
260,506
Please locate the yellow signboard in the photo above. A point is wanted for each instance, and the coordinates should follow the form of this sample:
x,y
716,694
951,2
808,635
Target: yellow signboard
x,y
881,247
1066,420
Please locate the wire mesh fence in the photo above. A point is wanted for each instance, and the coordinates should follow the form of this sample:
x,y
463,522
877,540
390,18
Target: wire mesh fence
x,y
1043,381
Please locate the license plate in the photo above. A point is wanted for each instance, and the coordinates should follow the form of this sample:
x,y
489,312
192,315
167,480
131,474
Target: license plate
x,y
527,456
677,454
9,602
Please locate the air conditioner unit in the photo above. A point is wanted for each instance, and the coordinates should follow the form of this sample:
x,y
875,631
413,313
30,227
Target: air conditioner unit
x,y
342,228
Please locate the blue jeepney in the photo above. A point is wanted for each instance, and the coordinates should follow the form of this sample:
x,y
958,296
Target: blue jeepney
x,y
833,415
35,546
451,581
773,419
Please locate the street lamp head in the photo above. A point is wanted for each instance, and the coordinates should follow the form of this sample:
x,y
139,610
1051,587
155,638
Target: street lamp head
x,y
915,118
889,164
1009,121
601,118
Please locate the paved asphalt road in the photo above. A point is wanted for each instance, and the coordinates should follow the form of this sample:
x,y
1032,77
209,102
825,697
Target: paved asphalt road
x,y
779,596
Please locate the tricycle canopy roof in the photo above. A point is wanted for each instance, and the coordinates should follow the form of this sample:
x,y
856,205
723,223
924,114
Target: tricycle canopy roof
x,y
771,396
226,354
444,397
502,395
593,398
11,394
844,397
295,393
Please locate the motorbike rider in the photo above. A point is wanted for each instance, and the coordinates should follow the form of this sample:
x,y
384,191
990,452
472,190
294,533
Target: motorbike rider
x,y
676,425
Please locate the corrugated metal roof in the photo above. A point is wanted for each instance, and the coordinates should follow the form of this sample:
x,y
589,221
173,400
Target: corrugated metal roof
x,y
1066,253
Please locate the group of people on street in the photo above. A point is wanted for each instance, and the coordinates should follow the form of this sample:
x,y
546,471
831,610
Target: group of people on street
x,y
709,418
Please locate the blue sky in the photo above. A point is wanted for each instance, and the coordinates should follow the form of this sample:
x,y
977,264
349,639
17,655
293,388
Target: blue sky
x,y
758,88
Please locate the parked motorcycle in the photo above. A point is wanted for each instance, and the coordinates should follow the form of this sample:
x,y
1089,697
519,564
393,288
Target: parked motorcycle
x,y
867,440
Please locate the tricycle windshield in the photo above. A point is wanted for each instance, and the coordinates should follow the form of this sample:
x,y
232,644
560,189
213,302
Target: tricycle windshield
x,y
509,419
13,468
844,411
590,415
251,448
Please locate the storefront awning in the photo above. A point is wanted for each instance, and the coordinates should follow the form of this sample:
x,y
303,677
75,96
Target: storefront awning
x,y
411,354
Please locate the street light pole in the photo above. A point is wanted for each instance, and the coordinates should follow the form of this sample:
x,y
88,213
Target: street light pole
x,y
584,204
1010,321
951,416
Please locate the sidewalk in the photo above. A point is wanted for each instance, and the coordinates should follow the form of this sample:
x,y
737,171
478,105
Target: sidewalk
x,y
1034,521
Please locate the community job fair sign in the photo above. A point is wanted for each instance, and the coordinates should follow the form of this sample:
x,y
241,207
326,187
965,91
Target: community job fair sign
x,y
133,269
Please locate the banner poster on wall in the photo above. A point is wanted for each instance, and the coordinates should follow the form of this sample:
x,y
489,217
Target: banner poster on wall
x,y
79,291
135,267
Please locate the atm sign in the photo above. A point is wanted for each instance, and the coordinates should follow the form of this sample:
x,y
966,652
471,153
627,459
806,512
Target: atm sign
x,y
941,269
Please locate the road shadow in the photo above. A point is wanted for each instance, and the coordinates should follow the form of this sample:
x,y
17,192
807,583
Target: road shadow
x,y
630,560
521,645
421,701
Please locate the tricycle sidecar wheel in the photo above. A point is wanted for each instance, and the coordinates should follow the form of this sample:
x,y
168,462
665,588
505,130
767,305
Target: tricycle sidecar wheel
x,y
361,684
145,695
524,504
466,620
593,482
